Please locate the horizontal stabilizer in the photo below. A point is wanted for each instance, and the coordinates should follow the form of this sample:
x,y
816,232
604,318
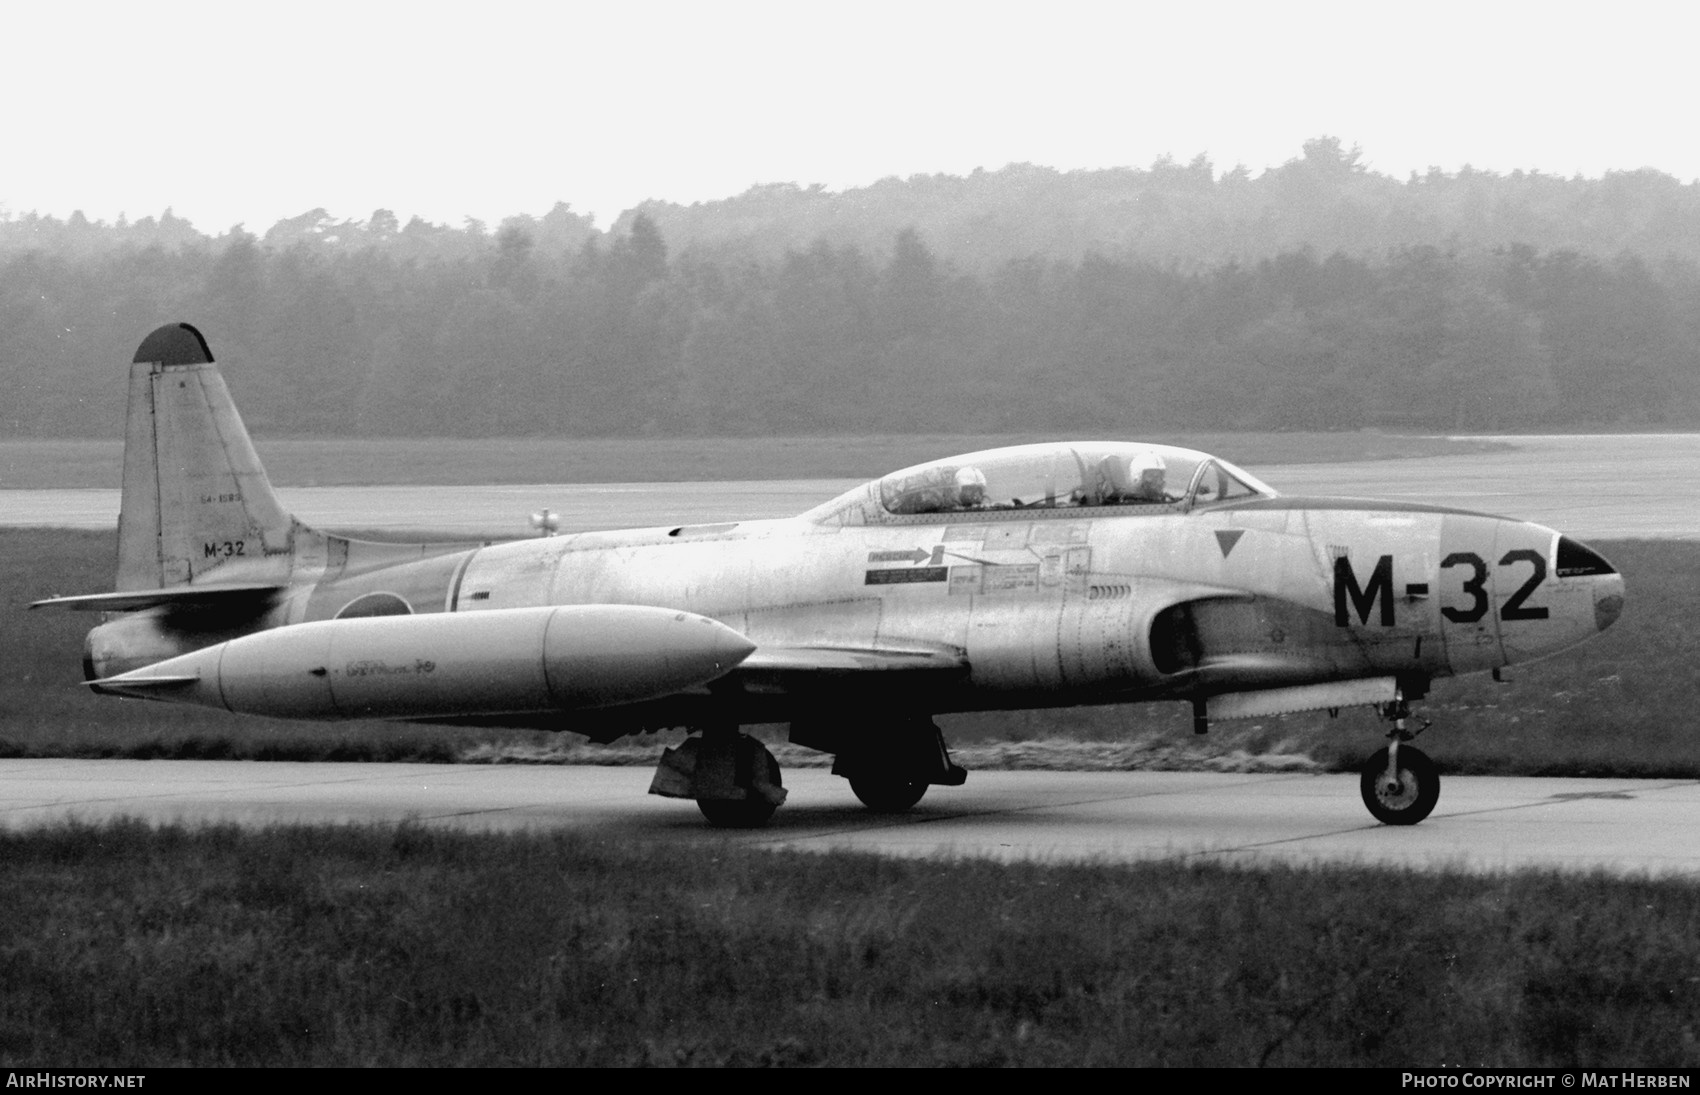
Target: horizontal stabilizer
x,y
1305,697
207,596
838,659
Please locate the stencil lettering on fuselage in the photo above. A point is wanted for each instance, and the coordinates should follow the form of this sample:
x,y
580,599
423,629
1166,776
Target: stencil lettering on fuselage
x,y
992,559
997,537
1054,533
906,576
994,580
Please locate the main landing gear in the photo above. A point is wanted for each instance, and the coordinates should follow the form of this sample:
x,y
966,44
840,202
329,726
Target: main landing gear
x,y
736,784
732,776
1400,784
887,792
891,766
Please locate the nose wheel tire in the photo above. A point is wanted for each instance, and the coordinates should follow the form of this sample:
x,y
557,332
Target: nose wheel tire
x,y
1407,799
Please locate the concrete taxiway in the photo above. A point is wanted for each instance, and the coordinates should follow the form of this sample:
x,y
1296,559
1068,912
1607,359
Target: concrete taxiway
x,y
1604,486
1482,823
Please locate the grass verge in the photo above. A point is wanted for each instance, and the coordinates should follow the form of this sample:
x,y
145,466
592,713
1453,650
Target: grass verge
x,y
122,945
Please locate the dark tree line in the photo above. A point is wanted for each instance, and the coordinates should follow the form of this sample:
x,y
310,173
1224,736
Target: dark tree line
x,y
549,327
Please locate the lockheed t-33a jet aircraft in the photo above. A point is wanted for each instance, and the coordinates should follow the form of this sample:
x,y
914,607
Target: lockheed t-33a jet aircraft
x,y
1028,577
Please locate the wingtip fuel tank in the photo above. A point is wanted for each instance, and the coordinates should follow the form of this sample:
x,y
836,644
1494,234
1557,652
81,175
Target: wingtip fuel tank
x,y
447,665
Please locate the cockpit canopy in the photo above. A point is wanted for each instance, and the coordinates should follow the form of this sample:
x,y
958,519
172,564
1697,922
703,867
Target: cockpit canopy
x,y
1071,476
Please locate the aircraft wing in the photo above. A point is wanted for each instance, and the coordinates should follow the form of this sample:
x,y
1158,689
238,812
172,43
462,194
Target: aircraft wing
x,y
850,660
837,675
207,596
835,672
1242,667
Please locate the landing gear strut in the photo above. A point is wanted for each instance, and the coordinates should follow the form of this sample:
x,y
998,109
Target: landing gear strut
x,y
1400,784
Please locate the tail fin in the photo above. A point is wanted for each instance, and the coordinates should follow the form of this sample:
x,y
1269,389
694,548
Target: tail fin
x,y
197,508
195,495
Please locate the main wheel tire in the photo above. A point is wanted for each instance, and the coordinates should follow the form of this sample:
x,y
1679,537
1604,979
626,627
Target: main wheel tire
x,y
736,813
885,794
751,812
1413,799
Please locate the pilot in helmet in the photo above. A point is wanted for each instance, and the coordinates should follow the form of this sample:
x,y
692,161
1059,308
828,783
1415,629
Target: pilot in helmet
x,y
1145,472
970,488
927,491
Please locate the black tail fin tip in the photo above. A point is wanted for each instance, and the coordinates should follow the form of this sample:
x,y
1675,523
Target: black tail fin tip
x,y
174,344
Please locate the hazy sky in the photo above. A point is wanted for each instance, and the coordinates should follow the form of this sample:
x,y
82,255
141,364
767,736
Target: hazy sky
x,y
492,108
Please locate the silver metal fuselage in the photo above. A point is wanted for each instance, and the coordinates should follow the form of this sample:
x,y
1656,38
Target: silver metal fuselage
x,y
1044,607
1037,575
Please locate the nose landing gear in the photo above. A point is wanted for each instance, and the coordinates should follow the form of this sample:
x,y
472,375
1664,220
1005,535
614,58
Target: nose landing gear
x,y
1400,784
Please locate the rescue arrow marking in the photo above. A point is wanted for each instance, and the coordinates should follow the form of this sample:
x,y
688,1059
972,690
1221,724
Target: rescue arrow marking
x,y
913,555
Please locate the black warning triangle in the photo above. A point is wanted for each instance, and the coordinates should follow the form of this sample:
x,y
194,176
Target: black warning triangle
x,y
1227,539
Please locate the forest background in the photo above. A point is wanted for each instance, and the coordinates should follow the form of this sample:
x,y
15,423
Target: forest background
x,y
1316,295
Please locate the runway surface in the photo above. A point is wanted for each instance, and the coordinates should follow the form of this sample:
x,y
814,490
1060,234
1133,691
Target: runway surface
x,y
1482,823
1591,486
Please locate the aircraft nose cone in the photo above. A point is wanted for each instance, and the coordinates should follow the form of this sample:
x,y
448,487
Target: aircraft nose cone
x,y
1579,562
